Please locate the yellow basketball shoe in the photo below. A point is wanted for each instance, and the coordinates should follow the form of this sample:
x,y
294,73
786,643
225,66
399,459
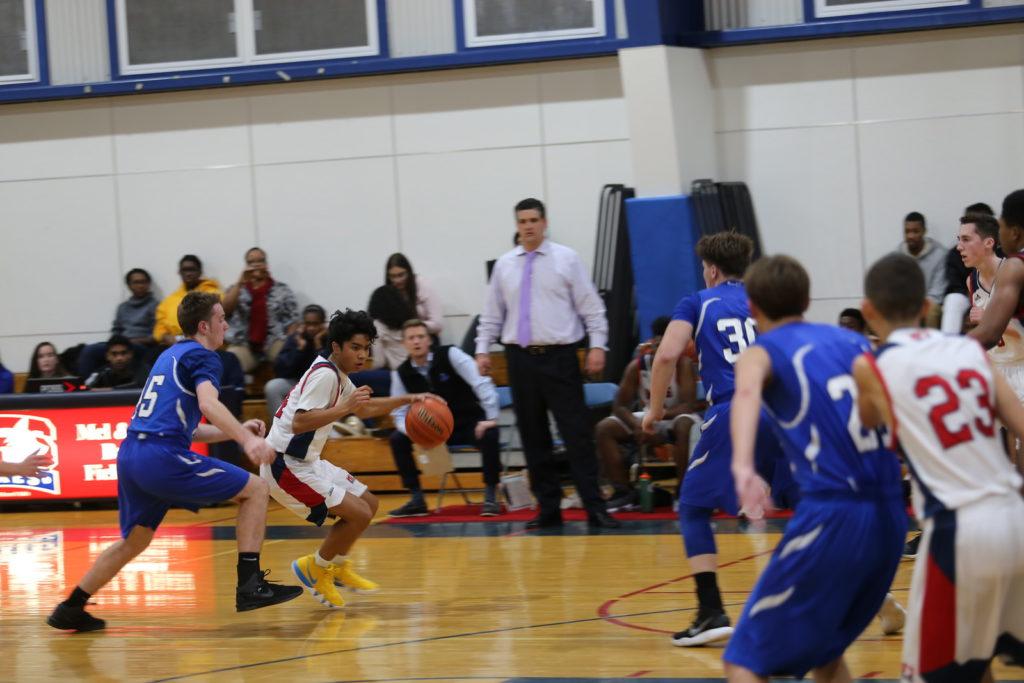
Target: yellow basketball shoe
x,y
345,576
319,581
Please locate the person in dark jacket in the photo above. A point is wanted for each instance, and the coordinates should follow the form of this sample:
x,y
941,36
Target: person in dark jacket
x,y
452,374
295,357
124,370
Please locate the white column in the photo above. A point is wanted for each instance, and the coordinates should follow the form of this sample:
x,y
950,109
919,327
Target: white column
x,y
670,105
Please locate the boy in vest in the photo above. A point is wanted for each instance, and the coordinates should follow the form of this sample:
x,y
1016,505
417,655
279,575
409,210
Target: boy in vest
x,y
315,489
453,375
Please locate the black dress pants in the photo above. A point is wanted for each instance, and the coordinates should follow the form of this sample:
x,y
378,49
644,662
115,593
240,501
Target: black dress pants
x,y
549,378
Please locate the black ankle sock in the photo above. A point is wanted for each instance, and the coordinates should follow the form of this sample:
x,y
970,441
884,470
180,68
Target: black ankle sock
x,y
708,597
417,497
248,564
78,598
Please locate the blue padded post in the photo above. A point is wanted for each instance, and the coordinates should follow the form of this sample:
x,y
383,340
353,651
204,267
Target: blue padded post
x,y
662,236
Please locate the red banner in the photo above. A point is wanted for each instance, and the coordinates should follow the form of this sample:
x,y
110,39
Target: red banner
x,y
82,442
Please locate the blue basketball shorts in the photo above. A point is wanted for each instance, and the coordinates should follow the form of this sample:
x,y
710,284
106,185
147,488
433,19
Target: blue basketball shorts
x,y
826,581
708,482
155,473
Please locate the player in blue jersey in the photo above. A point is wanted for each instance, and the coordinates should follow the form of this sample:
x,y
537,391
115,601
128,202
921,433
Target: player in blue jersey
x,y
719,323
831,571
156,469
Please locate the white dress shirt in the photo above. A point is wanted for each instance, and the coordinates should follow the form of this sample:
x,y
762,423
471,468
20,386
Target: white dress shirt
x,y
465,367
563,300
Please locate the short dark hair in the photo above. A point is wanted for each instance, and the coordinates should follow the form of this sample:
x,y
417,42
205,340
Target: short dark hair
x,y
192,258
389,306
856,315
136,271
1013,209
779,286
119,340
531,204
413,322
730,251
980,207
195,308
984,224
317,309
895,286
252,249
344,326
915,217
659,325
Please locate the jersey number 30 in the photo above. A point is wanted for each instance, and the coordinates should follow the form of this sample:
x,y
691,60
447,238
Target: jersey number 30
x,y
739,333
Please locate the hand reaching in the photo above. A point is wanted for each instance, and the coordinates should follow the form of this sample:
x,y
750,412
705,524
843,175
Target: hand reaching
x,y
31,466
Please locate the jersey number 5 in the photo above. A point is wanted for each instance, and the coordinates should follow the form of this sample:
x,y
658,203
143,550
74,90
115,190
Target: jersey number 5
x,y
147,402
970,383
739,333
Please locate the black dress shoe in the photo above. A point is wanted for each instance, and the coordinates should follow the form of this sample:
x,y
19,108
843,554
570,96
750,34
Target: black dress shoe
x,y
544,522
603,519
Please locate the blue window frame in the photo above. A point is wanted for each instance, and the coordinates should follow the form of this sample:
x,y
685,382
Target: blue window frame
x,y
835,9
20,45
164,36
492,23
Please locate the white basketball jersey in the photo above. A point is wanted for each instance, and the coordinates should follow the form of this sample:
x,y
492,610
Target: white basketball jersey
x,y
671,398
942,397
1010,349
321,386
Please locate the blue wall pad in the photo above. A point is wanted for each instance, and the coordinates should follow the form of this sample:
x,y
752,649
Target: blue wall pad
x,y
662,235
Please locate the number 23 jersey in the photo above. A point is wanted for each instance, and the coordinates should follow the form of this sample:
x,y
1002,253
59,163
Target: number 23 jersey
x,y
942,395
722,329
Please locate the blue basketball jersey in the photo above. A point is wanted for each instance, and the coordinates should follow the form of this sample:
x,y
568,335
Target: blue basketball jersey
x,y
722,329
169,405
812,398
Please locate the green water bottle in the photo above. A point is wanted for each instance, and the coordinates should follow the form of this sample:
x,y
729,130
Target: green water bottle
x,y
644,493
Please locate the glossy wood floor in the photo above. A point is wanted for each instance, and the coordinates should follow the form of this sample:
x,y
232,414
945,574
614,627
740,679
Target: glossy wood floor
x,y
466,602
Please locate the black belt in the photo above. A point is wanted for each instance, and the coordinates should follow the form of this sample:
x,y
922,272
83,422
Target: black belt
x,y
541,349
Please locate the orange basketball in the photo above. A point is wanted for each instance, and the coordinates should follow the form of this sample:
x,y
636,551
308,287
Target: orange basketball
x,y
429,423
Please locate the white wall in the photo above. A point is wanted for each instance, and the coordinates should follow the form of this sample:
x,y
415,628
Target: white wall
x,y
329,177
839,139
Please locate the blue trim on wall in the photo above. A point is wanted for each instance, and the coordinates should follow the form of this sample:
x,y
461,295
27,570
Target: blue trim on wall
x,y
115,61
917,20
383,44
663,22
42,53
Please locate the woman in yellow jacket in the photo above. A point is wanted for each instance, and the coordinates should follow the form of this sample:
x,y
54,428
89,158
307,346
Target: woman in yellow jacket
x,y
190,268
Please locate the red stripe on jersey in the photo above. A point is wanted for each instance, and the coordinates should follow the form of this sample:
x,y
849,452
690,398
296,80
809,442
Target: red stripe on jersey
x,y
316,367
870,358
938,619
301,492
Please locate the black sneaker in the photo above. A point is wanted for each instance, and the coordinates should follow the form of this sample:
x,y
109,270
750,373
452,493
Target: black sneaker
x,y
411,509
490,509
621,501
910,549
705,629
74,619
258,592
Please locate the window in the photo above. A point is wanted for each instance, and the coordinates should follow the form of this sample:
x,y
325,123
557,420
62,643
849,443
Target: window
x,y
505,22
19,58
177,35
841,8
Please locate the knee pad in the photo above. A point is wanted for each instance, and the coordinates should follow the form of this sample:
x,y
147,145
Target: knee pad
x,y
695,525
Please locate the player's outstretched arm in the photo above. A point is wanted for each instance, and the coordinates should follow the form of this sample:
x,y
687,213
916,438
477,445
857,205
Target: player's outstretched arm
x,y
31,466
376,407
311,420
1008,406
257,450
1001,307
872,401
753,368
674,341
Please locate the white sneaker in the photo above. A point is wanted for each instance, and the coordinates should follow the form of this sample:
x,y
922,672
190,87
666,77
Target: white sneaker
x,y
892,616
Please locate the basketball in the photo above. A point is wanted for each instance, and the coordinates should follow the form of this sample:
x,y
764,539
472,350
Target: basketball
x,y
429,423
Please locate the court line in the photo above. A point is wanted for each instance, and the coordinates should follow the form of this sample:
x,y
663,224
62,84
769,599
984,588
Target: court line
x,y
605,608
417,641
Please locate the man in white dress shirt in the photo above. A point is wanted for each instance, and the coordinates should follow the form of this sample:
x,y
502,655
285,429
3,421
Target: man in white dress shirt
x,y
539,303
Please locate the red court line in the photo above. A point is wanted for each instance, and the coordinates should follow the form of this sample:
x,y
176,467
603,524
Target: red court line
x,y
604,610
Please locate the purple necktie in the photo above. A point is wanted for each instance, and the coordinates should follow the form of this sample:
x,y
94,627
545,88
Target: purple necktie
x,y
523,329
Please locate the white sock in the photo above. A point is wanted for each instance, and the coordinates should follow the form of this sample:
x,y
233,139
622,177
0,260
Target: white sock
x,y
320,562
338,559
